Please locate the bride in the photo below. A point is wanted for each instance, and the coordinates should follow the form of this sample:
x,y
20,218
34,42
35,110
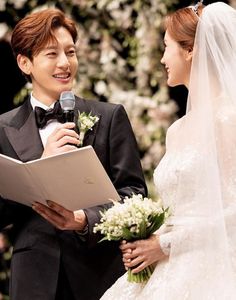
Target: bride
x,y
195,252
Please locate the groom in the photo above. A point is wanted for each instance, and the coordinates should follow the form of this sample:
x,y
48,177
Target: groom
x,y
49,262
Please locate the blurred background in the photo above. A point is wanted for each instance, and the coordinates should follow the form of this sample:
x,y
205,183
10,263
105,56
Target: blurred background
x,y
119,50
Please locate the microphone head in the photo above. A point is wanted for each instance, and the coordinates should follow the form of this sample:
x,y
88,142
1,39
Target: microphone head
x,y
67,101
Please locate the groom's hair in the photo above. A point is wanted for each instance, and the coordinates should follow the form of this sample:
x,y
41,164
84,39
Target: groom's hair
x,y
36,30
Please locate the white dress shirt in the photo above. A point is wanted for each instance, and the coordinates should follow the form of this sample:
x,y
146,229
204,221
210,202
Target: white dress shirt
x,y
51,125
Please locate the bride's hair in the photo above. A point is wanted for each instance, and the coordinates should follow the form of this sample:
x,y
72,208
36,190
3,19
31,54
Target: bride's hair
x,y
182,25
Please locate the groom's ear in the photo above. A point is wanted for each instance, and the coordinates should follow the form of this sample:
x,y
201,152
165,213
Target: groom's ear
x,y
24,64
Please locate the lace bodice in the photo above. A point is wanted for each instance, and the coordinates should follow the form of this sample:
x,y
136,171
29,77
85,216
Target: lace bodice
x,y
176,162
166,174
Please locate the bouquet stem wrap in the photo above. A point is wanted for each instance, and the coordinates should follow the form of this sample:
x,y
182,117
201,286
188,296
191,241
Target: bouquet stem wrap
x,y
141,276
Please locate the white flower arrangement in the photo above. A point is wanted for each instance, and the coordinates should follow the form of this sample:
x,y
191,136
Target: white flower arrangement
x,y
135,218
85,122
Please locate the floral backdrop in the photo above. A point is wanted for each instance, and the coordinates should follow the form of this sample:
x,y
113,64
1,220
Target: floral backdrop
x,y
119,49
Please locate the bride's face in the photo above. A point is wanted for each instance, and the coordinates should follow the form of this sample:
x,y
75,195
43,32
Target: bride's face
x,y
177,62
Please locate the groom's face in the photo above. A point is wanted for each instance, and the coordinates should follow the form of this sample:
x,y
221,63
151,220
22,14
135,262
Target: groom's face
x,y
54,68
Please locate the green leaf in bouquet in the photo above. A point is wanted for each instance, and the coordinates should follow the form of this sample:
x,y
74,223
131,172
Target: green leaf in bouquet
x,y
156,222
128,235
111,238
103,239
142,230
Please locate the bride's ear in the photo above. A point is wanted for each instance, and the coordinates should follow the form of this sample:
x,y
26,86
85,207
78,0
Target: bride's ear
x,y
189,54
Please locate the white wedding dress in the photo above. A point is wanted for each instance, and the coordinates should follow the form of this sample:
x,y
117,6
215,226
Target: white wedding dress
x,y
182,278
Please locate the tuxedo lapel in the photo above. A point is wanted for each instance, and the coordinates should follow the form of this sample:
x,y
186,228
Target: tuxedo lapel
x,y
82,106
23,134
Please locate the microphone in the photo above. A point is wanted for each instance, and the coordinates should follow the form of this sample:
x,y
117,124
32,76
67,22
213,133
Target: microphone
x,y
67,102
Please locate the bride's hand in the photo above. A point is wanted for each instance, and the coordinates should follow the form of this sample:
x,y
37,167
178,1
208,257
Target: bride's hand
x,y
142,253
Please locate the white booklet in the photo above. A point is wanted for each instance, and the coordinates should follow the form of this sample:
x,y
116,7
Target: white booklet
x,y
73,179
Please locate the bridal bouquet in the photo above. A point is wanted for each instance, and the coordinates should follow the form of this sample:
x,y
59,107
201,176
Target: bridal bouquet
x,y
136,218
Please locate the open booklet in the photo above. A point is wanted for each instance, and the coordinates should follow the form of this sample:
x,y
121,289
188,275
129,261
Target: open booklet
x,y
73,179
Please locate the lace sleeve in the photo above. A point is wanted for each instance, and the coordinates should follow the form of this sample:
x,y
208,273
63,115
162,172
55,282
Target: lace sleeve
x,y
165,237
165,243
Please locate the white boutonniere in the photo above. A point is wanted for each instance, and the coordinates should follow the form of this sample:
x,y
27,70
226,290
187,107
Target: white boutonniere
x,y
85,122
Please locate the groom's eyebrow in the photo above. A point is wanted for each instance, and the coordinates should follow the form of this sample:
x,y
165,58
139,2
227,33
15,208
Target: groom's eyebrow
x,y
55,46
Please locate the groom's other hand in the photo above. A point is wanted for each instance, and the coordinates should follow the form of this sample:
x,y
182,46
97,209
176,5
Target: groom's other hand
x,y
61,217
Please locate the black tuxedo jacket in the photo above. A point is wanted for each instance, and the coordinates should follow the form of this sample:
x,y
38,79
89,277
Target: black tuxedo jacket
x,y
39,248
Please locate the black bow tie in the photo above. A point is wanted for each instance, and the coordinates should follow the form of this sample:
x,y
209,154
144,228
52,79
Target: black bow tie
x,y
42,116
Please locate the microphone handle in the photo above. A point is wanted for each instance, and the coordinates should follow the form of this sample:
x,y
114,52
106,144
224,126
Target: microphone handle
x,y
68,116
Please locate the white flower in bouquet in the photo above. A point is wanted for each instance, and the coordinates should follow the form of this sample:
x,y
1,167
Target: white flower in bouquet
x,y
135,218
85,122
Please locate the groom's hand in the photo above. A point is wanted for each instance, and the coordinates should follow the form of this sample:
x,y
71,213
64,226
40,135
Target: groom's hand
x,y
62,139
61,217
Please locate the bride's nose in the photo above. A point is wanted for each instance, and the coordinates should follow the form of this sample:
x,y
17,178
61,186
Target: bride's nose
x,y
162,60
